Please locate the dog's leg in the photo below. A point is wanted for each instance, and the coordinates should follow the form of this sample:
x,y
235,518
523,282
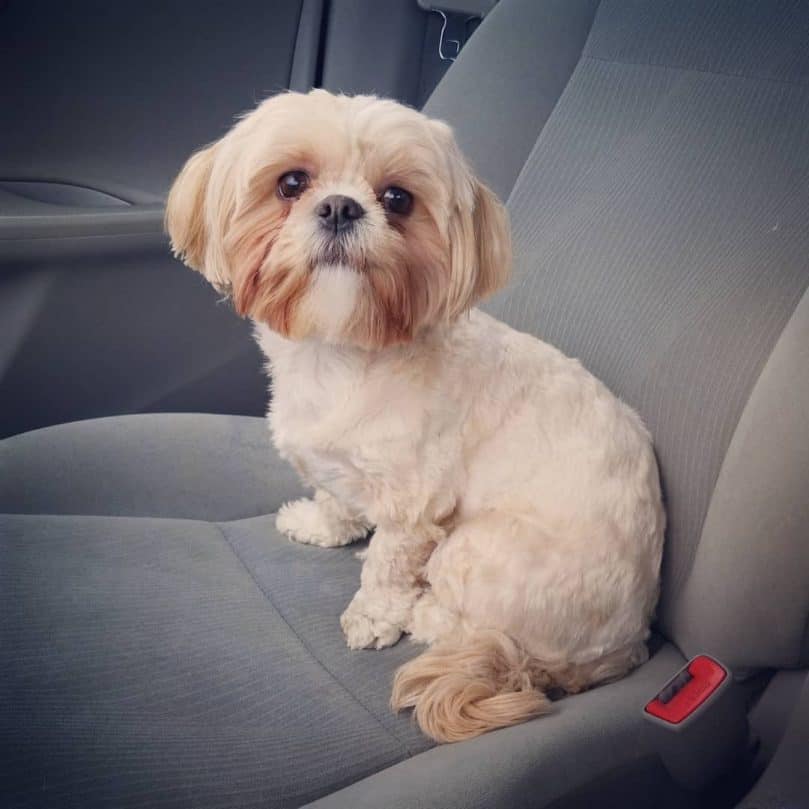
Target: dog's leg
x,y
322,521
432,621
391,583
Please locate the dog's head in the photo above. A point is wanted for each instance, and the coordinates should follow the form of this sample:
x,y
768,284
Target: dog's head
x,y
351,220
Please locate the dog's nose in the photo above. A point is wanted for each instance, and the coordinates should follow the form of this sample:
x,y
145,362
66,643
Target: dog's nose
x,y
338,212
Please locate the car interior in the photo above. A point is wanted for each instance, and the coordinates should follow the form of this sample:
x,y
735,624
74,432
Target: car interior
x,y
161,644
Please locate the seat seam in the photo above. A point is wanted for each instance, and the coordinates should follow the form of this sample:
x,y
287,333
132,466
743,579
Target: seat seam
x,y
688,69
305,645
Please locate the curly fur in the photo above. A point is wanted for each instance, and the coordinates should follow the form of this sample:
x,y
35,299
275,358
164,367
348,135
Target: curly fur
x,y
516,503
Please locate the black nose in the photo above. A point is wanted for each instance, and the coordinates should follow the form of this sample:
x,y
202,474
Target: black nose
x,y
338,212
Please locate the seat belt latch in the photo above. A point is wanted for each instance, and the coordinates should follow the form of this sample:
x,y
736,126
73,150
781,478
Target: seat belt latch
x,y
685,694
702,720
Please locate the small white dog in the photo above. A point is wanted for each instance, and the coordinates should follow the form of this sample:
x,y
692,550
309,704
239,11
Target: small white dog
x,y
516,501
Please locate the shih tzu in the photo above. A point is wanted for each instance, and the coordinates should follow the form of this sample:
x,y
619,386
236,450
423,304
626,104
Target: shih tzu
x,y
515,501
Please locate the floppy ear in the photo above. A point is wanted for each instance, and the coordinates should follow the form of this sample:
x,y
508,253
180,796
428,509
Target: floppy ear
x,y
185,210
493,239
480,250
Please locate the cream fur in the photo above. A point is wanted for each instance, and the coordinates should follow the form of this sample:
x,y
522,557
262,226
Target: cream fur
x,y
516,504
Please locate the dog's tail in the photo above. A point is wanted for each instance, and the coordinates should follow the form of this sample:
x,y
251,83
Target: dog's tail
x,y
460,689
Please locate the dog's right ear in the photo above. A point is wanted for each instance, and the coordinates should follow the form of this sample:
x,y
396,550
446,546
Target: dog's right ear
x,y
185,210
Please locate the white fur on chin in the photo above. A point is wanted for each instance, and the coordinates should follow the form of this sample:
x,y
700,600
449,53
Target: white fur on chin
x,y
330,300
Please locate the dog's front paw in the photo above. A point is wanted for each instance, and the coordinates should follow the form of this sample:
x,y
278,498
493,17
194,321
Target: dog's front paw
x,y
362,631
307,521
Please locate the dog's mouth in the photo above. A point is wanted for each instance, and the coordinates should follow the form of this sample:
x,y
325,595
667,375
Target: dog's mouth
x,y
335,253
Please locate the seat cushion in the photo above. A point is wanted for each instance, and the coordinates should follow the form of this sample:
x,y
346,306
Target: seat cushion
x,y
187,465
174,662
593,750
154,662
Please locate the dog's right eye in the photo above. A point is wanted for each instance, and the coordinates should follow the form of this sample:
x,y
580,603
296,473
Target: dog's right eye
x,y
292,184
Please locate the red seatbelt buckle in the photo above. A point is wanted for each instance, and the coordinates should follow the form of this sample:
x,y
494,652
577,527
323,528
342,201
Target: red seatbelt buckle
x,y
701,715
688,693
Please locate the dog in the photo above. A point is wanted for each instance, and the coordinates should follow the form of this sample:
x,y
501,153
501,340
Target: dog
x,y
515,502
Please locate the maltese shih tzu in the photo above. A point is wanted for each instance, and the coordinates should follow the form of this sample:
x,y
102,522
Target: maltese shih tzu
x,y
514,501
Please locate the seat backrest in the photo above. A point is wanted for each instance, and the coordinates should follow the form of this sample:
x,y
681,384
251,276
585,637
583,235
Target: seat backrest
x,y
661,225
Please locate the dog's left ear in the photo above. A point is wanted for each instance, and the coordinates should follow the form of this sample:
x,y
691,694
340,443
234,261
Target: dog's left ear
x,y
479,236
493,242
480,249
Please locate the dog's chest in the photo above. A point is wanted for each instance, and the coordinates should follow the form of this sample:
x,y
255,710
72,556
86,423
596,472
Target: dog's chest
x,y
322,418
352,424
315,404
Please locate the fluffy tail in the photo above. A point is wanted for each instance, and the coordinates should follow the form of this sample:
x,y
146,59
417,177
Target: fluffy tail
x,y
460,689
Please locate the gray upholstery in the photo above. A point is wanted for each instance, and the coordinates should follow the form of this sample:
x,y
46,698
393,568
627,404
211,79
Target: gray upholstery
x,y
191,466
758,525
785,784
571,751
168,662
172,659
760,40
507,80
773,711
661,228
661,235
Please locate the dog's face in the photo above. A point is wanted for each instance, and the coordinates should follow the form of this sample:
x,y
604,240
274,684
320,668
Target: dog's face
x,y
351,220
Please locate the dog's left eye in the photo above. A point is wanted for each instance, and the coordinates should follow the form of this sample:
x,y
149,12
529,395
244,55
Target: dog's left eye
x,y
292,184
397,200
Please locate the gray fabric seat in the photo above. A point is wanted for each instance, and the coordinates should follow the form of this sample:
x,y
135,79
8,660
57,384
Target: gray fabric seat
x,y
160,662
162,646
151,465
198,661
